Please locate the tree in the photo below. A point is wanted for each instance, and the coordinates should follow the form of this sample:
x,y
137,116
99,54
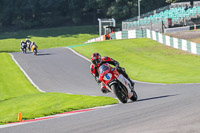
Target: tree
x,y
121,9
47,13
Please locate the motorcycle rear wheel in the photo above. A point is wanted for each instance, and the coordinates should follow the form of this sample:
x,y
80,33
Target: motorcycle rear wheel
x,y
120,95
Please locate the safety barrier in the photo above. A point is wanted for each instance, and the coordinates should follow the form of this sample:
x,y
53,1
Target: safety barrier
x,y
174,42
102,38
121,35
159,37
129,34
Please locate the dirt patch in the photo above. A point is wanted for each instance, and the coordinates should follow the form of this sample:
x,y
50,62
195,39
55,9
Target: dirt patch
x,y
193,35
186,34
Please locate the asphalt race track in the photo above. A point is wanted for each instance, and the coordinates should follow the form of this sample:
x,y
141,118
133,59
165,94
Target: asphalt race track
x,y
161,108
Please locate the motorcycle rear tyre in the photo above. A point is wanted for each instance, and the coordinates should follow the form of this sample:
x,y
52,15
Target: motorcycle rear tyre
x,y
120,95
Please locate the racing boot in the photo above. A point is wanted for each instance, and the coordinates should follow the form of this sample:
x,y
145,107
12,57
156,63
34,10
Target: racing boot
x,y
104,89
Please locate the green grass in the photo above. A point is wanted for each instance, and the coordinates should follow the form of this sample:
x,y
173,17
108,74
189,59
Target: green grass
x,y
146,60
48,38
13,83
18,95
44,104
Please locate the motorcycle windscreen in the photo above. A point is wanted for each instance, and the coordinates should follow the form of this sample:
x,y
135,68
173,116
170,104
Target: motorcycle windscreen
x,y
103,68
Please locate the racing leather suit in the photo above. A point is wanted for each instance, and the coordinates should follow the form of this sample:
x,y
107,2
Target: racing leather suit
x,y
95,71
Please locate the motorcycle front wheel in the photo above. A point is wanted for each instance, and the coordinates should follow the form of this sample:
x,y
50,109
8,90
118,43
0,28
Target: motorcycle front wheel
x,y
120,95
35,52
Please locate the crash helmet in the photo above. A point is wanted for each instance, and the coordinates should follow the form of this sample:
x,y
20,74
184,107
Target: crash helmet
x,y
96,59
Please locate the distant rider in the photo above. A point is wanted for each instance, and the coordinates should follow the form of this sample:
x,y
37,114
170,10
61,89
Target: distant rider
x,y
33,46
28,43
97,61
23,45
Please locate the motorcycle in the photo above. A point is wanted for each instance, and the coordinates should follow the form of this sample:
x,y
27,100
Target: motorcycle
x,y
29,46
23,48
116,83
34,49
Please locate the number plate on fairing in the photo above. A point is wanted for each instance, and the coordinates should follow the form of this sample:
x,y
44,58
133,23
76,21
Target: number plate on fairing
x,y
108,76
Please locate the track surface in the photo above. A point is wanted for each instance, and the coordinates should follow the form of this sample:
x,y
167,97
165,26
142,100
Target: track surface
x,y
160,108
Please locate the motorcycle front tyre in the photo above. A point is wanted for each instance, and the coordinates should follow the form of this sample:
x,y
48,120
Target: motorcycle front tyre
x,y
120,95
35,52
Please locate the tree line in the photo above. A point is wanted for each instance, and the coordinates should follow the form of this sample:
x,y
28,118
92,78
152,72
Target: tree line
x,y
26,14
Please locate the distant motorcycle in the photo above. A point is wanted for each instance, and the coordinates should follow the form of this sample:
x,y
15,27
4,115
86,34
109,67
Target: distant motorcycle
x,y
23,48
116,83
29,46
34,49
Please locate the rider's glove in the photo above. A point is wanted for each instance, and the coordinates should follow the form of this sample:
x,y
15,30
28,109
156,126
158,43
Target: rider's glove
x,y
118,68
104,90
98,81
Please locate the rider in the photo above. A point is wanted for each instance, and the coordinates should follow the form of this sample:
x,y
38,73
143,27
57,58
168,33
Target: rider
x,y
23,44
97,61
33,46
28,43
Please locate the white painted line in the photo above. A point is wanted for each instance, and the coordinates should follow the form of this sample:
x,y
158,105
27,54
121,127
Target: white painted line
x,y
131,79
89,61
149,82
78,54
26,74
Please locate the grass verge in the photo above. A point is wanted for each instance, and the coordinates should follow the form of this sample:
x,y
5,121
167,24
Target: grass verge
x,y
44,104
18,95
48,38
146,60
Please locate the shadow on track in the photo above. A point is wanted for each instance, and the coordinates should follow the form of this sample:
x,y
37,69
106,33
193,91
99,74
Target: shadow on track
x,y
153,98
40,54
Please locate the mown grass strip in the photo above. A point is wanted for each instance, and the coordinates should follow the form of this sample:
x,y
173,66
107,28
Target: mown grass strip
x,y
18,95
146,60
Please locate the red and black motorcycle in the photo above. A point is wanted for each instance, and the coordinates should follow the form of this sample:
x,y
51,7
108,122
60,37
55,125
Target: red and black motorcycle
x,y
116,83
